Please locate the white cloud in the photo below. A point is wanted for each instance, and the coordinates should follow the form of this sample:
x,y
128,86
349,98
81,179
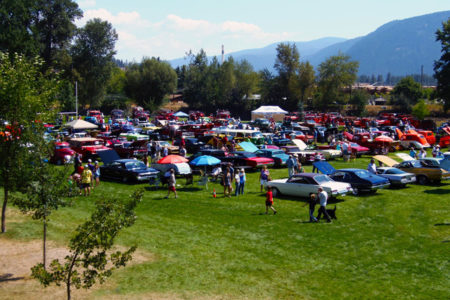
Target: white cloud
x,y
86,3
173,36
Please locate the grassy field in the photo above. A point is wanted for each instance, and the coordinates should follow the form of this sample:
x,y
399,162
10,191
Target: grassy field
x,y
393,244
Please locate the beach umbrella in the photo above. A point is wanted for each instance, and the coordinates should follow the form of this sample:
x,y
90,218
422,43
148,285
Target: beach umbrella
x,y
205,160
172,159
181,114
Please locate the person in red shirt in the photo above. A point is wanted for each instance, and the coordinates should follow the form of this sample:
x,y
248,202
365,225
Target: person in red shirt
x,y
269,201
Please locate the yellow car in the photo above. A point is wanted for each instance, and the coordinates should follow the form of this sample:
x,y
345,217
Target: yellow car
x,y
424,173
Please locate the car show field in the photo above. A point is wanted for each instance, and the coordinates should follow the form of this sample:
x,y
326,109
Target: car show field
x,y
391,244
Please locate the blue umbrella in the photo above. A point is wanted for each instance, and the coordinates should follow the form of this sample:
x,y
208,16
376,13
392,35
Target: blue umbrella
x,y
205,160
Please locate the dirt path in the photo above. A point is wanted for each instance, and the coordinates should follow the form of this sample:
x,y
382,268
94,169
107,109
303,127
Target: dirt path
x,y
16,260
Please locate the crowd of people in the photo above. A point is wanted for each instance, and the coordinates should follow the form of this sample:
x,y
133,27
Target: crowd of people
x,y
84,177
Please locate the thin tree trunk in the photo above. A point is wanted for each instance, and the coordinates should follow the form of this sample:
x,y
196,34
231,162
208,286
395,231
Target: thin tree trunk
x,y
5,201
45,240
69,274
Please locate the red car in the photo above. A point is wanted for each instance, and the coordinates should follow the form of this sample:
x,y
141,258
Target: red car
x,y
62,154
429,136
88,147
131,149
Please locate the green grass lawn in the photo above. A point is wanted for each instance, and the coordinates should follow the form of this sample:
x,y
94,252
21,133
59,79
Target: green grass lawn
x,y
393,244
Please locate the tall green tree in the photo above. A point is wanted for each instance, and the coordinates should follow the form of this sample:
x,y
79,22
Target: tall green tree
x,y
55,27
88,260
306,78
92,54
148,82
406,93
335,73
17,31
27,96
442,66
287,63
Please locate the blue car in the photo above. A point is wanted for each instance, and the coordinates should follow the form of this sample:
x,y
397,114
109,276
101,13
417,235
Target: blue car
x,y
278,156
361,180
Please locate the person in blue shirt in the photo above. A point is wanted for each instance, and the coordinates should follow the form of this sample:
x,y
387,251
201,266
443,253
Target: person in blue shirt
x,y
412,153
242,179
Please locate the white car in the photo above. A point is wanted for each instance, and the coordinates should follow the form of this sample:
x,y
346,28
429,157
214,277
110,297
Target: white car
x,y
396,176
305,184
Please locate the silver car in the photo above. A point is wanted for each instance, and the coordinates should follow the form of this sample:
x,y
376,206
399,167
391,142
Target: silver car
x,y
396,176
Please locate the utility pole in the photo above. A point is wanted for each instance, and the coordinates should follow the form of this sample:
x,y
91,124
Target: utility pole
x,y
76,100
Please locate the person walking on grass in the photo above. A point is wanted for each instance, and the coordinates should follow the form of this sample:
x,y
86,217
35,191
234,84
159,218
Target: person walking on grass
x,y
269,201
171,182
237,182
323,197
227,183
242,179
86,178
312,206
96,173
264,176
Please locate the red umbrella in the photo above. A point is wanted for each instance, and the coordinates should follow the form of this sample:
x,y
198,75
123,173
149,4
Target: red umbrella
x,y
384,139
172,159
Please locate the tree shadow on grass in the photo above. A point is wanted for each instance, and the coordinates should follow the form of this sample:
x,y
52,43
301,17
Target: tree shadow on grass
x,y
304,200
9,277
438,191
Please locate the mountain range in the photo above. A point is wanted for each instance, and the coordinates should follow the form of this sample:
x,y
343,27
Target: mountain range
x,y
400,47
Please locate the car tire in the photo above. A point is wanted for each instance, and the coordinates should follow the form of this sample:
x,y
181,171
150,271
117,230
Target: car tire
x,y
125,179
421,179
275,192
59,162
356,191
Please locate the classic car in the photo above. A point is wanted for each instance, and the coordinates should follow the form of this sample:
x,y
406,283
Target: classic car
x,y
249,159
172,148
310,149
424,173
125,170
412,139
62,154
361,180
396,176
305,184
131,149
88,147
278,156
192,145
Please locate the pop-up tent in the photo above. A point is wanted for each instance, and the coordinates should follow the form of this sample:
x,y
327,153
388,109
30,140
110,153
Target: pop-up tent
x,y
80,124
268,112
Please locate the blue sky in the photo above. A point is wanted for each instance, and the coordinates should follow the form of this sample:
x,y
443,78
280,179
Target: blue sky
x,y
170,28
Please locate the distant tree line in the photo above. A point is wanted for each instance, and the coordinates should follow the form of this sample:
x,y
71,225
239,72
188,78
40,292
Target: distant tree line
x,y
392,80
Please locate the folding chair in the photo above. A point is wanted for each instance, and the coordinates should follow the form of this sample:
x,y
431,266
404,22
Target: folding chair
x,y
204,181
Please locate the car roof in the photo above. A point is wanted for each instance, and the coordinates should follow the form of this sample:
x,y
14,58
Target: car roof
x,y
125,160
351,170
311,175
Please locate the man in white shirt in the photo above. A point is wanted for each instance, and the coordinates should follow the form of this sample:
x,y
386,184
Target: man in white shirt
x,y
323,198
372,168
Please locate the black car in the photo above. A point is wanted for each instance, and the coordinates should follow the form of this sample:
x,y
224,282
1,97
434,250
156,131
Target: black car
x,y
125,170
193,145
361,180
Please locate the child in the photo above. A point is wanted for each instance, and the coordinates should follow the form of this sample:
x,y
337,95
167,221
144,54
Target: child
x,y
171,184
269,201
312,205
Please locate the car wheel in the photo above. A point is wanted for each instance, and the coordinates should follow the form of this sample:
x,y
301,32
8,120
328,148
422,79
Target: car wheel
x,y
59,162
125,179
356,191
421,179
275,192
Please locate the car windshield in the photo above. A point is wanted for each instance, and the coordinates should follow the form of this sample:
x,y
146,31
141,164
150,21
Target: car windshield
x,y
135,165
363,173
394,171
278,152
322,179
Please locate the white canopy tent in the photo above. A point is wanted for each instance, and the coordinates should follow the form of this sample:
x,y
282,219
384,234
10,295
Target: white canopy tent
x,y
268,112
80,124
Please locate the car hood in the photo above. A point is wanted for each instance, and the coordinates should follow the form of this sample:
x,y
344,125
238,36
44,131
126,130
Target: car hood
x,y
108,156
333,185
324,167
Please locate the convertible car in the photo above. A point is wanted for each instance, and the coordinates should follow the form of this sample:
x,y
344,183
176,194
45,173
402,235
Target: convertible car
x,y
361,180
305,184
125,170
